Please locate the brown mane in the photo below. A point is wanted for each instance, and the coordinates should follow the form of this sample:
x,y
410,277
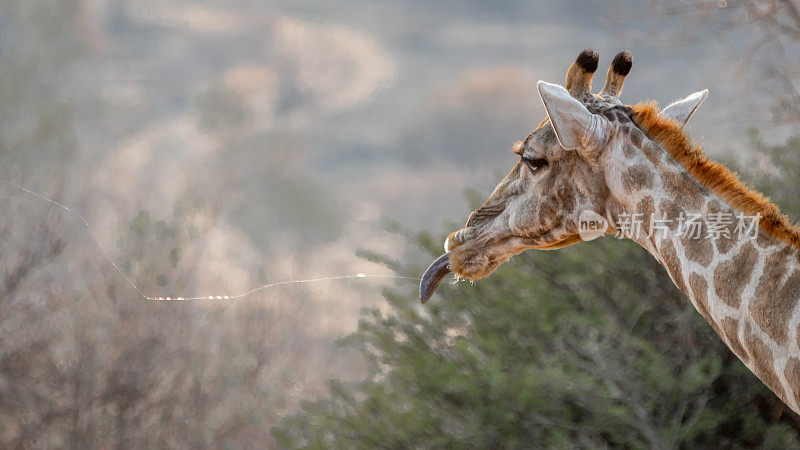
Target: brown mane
x,y
713,175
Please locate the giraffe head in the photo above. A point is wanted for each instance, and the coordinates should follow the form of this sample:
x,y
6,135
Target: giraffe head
x,y
559,183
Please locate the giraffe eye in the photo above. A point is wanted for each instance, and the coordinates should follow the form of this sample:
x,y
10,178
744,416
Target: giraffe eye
x,y
535,164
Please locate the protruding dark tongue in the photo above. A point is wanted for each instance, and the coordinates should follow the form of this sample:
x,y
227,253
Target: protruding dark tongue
x,y
433,276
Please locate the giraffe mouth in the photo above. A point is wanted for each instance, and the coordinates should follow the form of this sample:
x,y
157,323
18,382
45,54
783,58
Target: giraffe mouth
x,y
475,264
467,261
433,276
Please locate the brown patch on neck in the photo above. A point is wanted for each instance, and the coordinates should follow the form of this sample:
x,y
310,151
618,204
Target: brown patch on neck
x,y
637,178
771,308
731,328
713,175
792,372
670,261
762,362
732,275
700,292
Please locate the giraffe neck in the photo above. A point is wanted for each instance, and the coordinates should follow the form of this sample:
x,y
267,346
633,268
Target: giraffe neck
x,y
745,284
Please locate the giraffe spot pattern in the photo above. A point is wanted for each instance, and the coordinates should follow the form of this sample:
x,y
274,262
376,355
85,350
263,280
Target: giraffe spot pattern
x,y
629,150
792,374
765,240
726,238
730,328
619,116
680,185
651,151
646,208
670,210
732,275
565,192
700,294
762,362
698,248
725,243
669,258
637,178
775,299
636,137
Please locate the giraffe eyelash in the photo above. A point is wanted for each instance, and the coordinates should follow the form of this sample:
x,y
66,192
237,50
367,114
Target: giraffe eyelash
x,y
535,164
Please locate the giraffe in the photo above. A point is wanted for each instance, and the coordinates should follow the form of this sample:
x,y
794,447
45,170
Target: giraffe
x,y
594,155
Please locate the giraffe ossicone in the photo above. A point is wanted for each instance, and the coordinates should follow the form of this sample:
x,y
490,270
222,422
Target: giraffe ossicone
x,y
596,166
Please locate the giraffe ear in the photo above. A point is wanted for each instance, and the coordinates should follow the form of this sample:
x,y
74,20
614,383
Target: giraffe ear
x,y
681,110
574,125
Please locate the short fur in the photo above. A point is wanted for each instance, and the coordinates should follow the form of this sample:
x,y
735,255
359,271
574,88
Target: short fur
x,y
588,60
580,73
619,69
622,63
713,175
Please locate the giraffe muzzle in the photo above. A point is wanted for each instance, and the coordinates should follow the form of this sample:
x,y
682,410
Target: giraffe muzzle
x,y
454,239
433,276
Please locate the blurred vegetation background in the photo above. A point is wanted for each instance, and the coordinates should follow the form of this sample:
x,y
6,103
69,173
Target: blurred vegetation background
x,y
221,145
